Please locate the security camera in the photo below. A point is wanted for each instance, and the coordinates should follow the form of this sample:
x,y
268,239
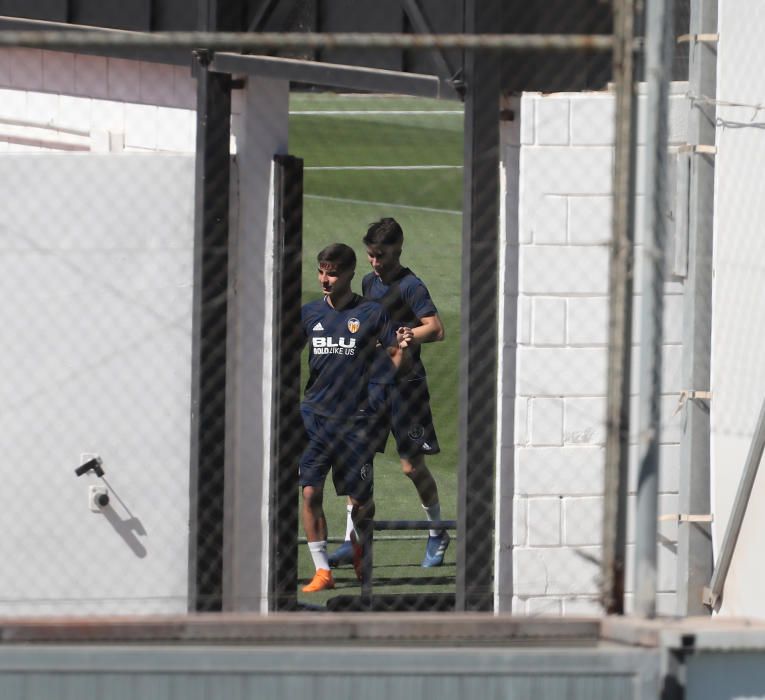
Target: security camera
x,y
93,465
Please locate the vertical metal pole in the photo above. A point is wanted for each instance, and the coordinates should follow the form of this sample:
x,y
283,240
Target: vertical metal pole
x,y
658,62
288,426
620,313
694,539
208,391
478,366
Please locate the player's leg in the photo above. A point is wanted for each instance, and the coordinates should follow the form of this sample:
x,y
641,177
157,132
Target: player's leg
x,y
363,515
314,520
416,437
417,472
313,471
363,524
378,398
352,472
315,526
344,553
438,539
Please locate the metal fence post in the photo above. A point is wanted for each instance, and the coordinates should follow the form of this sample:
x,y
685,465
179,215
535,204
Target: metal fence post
x,y
208,395
658,62
478,401
694,539
620,313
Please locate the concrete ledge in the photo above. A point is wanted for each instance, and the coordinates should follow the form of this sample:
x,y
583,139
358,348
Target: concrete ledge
x,y
389,629
350,628
691,633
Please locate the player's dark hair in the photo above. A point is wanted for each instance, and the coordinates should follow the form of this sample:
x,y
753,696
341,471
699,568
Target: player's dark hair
x,y
340,255
386,231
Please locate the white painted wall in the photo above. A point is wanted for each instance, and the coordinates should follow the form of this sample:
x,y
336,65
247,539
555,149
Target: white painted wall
x,y
738,371
96,263
96,288
145,106
553,380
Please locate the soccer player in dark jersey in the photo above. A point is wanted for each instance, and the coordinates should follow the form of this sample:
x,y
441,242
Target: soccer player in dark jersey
x,y
402,401
343,331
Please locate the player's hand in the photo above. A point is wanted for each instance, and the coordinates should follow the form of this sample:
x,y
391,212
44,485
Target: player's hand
x,y
404,336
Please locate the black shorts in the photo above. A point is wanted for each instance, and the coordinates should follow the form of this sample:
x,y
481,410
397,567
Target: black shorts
x,y
345,447
404,410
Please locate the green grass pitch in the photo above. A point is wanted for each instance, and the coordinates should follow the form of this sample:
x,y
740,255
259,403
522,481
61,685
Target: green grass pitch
x,y
385,137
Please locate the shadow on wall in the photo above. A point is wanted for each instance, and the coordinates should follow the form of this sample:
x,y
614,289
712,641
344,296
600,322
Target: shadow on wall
x,y
128,528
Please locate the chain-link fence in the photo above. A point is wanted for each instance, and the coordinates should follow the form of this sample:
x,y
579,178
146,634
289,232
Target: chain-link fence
x,y
183,367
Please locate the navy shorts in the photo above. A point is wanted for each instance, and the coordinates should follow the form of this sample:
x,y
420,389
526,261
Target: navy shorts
x,y
404,410
345,447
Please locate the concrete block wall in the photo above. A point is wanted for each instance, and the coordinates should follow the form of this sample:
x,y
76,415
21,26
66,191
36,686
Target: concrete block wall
x,y
94,103
555,314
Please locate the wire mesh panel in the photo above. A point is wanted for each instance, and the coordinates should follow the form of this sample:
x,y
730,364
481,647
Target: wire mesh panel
x,y
318,295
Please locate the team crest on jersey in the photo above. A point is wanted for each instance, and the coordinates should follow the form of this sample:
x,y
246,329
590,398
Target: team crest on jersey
x,y
416,432
354,324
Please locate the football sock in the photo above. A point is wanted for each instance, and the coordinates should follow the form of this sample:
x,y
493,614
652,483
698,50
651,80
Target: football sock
x,y
319,554
348,523
433,513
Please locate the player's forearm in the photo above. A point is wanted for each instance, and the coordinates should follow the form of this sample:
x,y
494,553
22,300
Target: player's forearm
x,y
427,334
430,330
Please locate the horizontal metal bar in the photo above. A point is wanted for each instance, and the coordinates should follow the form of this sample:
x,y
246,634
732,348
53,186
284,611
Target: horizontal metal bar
x,y
49,125
240,41
415,524
401,525
114,43
380,538
43,142
333,75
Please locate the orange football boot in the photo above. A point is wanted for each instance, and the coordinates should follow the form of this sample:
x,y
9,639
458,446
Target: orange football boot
x,y
322,581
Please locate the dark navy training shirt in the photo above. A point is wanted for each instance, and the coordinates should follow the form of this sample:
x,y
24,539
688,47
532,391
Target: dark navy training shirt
x,y
341,348
407,300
